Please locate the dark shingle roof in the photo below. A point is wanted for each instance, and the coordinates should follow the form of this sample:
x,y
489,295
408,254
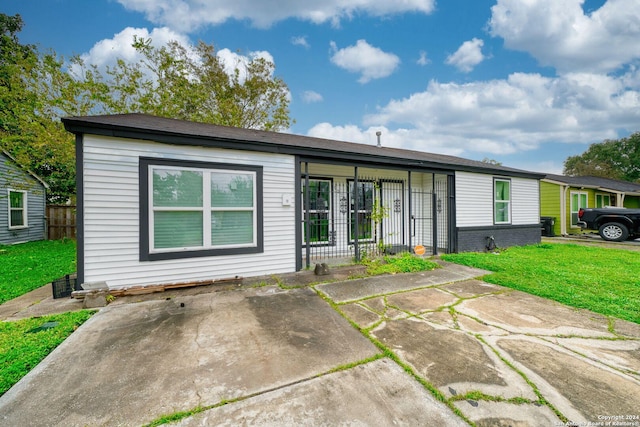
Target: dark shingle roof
x,y
174,131
596,182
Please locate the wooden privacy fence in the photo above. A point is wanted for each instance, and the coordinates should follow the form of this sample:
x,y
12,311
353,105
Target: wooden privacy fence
x,y
61,222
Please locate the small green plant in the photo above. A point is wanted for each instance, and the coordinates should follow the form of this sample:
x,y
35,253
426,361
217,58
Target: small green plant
x,y
404,263
110,298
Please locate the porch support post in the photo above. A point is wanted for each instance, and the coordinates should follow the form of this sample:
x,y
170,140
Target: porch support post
x,y
307,222
356,208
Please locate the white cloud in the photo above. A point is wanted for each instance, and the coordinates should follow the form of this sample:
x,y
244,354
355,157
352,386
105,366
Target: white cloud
x,y
468,55
500,117
106,52
189,15
300,41
558,33
232,60
423,60
309,96
370,62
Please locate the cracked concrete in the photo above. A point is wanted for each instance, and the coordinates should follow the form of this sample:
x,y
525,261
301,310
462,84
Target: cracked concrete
x,y
431,348
521,360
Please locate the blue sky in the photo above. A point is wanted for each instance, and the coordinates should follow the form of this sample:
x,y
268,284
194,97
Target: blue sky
x,y
526,83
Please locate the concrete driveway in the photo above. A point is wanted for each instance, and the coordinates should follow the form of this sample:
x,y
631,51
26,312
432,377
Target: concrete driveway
x,y
434,348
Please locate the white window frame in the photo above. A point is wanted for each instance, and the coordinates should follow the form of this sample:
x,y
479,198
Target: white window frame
x,y
206,209
602,197
24,209
496,201
573,209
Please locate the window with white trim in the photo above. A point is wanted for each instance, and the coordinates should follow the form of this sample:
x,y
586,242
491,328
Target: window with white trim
x,y
501,201
200,209
17,209
578,200
603,200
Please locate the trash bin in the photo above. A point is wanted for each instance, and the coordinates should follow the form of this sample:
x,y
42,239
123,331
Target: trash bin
x,y
546,225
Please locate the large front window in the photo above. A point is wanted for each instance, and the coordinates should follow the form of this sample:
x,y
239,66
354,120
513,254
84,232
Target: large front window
x,y
201,208
502,201
361,200
17,209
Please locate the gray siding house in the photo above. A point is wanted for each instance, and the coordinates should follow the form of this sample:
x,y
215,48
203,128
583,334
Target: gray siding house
x,y
164,201
23,199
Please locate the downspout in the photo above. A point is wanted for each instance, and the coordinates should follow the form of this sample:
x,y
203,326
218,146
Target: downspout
x,y
563,210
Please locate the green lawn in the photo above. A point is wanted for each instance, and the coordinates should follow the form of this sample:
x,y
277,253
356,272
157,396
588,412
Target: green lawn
x,y
606,281
22,348
27,266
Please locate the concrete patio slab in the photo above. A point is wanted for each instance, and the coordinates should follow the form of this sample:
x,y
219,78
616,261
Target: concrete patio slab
x,y
453,361
131,363
582,389
279,357
528,314
378,393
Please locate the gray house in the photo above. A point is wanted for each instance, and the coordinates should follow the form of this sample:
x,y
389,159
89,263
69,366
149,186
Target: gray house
x,y
23,199
168,201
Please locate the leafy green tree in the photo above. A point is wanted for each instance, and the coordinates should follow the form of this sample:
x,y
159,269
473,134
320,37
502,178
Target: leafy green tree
x,y
615,159
190,84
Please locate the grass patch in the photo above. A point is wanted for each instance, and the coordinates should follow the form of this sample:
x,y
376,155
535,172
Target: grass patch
x,y
404,263
606,281
21,350
27,266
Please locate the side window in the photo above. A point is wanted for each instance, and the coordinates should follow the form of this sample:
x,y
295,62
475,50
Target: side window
x,y
578,200
199,209
17,209
603,200
501,201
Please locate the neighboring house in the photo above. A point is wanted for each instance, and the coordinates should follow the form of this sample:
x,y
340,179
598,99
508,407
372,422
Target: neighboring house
x,y
561,197
22,203
162,201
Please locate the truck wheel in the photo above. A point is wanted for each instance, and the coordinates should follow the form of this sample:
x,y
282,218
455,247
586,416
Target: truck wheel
x,y
614,232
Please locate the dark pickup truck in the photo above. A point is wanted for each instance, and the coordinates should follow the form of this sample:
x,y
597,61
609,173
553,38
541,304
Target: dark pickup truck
x,y
613,224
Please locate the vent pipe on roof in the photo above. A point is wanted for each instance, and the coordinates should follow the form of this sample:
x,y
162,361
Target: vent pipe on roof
x,y
378,133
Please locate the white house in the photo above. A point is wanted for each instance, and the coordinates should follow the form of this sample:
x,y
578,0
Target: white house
x,y
168,201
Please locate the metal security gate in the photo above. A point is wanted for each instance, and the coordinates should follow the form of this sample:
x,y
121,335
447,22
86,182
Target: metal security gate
x,y
350,218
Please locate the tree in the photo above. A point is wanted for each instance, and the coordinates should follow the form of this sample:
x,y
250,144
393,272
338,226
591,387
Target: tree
x,y
491,161
34,92
191,84
615,159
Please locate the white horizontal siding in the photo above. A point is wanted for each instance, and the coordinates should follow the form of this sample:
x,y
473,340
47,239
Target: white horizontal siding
x,y
525,201
474,200
111,215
